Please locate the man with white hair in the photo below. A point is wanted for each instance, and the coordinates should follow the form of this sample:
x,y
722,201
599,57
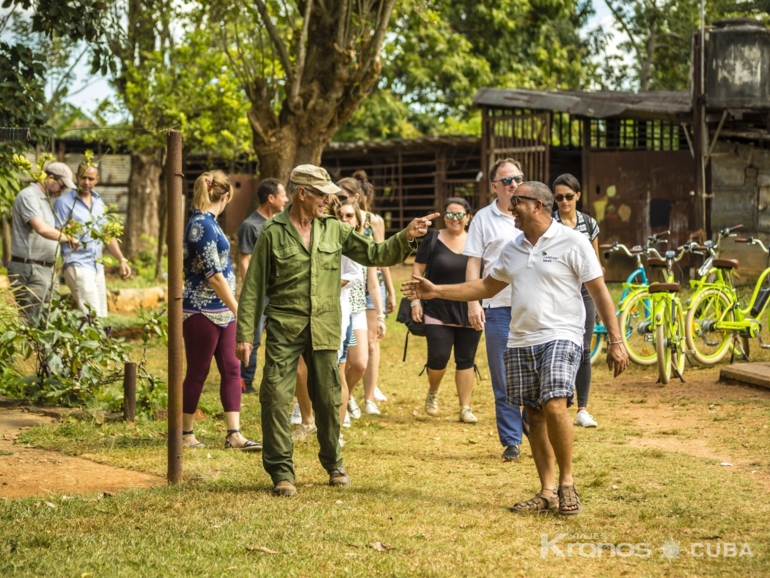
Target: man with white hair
x,y
35,239
296,265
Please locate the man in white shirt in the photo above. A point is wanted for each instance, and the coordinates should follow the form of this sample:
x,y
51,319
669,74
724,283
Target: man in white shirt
x,y
544,267
491,228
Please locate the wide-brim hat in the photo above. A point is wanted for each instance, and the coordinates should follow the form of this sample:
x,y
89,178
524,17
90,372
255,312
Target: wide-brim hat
x,y
63,172
315,177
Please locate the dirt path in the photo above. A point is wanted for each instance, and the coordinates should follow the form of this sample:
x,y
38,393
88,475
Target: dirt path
x,y
30,472
671,427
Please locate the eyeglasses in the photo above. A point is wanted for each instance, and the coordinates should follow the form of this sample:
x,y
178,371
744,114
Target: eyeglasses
x,y
518,179
516,199
458,216
342,198
324,196
568,196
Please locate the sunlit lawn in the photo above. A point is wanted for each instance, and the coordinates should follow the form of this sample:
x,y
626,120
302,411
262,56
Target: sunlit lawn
x,y
432,489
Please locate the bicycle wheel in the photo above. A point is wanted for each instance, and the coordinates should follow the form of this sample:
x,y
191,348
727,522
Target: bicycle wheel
x,y
637,330
663,353
707,343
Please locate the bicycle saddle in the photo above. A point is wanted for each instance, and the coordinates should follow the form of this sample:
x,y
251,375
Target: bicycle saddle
x,y
663,287
725,263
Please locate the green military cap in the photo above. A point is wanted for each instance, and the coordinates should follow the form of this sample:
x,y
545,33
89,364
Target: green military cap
x,y
316,177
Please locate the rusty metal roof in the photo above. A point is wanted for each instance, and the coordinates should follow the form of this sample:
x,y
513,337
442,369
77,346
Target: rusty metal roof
x,y
661,104
393,144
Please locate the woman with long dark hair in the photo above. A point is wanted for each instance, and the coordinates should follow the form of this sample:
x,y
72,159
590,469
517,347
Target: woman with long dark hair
x,y
446,322
566,190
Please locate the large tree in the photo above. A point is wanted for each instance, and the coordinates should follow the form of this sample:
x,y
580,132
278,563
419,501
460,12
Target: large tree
x,y
305,66
438,53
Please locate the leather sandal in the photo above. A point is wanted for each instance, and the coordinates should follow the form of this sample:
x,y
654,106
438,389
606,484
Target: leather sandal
x,y
540,504
197,444
568,498
248,446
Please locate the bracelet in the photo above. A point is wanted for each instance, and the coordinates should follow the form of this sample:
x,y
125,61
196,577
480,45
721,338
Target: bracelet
x,y
381,316
124,260
616,342
416,303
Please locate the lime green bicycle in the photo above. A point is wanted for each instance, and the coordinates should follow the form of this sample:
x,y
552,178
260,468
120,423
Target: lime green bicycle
x,y
656,315
715,316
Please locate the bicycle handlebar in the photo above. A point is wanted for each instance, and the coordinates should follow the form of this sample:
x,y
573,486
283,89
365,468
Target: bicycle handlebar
x,y
754,241
667,258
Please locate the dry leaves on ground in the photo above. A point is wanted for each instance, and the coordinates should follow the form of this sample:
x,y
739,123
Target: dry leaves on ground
x,y
261,549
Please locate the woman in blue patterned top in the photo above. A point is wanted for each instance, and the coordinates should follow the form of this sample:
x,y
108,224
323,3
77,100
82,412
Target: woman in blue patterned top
x,y
210,309
566,190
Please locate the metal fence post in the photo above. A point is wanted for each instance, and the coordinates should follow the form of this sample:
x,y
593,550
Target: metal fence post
x,y
175,205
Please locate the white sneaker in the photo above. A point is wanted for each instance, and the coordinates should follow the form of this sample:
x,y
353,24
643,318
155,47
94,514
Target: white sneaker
x,y
370,408
296,416
466,415
378,395
431,403
585,419
353,410
346,421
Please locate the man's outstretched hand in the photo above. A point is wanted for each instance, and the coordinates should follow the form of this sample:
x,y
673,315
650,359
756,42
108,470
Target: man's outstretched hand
x,y
419,288
419,227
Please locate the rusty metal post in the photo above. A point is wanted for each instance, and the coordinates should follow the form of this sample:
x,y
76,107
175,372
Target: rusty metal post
x,y
129,392
174,204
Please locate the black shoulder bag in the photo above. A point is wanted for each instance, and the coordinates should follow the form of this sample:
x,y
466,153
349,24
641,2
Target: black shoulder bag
x,y
405,306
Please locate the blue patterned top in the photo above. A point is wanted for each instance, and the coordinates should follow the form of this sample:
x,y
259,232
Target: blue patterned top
x,y
206,253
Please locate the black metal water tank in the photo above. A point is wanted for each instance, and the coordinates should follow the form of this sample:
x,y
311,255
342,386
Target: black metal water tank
x,y
738,64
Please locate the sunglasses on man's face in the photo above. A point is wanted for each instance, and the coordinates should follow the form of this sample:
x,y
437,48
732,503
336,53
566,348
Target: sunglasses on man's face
x,y
450,215
518,179
516,199
324,196
568,196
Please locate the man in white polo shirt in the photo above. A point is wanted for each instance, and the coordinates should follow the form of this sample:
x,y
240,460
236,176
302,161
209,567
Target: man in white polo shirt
x,y
491,228
544,266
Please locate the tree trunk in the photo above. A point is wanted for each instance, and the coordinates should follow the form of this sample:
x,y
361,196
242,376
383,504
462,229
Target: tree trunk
x,y
645,74
289,148
143,196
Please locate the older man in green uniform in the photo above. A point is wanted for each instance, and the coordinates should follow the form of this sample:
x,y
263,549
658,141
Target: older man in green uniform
x,y
296,264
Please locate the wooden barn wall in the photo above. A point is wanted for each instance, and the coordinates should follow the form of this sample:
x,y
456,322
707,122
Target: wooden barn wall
x,y
633,194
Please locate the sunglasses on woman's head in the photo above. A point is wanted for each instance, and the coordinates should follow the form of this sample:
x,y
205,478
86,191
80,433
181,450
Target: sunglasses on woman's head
x,y
518,179
342,198
568,196
458,216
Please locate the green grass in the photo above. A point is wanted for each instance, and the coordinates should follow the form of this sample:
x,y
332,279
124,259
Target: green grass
x,y
433,489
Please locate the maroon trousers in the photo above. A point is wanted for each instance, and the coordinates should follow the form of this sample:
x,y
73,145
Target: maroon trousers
x,y
203,339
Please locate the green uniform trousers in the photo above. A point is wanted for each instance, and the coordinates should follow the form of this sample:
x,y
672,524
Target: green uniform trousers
x,y
277,392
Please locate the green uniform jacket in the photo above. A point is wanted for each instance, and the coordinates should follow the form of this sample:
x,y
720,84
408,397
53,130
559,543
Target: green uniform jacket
x,y
304,286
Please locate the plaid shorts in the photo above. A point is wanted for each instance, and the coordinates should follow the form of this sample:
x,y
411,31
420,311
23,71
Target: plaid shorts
x,y
538,373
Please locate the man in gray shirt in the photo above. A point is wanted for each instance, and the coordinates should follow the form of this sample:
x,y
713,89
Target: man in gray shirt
x,y
272,199
35,240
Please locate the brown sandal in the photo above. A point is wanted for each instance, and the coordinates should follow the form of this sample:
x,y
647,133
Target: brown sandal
x,y
538,505
568,498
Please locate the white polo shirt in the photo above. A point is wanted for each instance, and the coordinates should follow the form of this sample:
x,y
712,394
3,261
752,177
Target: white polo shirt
x,y
545,284
489,231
